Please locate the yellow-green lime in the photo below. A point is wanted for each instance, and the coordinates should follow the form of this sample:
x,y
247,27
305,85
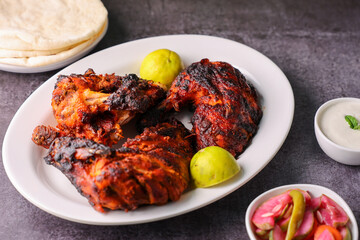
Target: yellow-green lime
x,y
162,66
212,165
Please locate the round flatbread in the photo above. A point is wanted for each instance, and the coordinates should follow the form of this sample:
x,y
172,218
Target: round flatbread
x,y
42,60
8,53
47,25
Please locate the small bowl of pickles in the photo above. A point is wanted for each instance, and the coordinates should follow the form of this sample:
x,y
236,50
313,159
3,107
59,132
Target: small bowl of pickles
x,y
300,211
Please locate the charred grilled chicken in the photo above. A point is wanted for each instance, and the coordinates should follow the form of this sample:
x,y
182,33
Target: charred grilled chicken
x,y
152,168
95,106
227,110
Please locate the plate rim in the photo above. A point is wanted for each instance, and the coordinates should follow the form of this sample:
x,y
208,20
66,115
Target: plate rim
x,y
283,138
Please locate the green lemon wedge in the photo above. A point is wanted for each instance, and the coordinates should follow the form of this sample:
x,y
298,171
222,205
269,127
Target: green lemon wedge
x,y
211,166
161,66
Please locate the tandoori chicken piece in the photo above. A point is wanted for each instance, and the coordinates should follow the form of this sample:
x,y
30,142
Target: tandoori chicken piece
x,y
44,135
227,109
95,106
152,168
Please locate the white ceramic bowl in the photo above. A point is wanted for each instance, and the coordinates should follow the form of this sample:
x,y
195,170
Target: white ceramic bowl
x,y
335,151
314,190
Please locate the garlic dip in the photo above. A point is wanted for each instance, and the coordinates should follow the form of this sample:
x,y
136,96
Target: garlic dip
x,y
334,126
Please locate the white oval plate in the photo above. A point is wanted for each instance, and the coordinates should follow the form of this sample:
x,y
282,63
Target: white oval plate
x,y
49,189
55,65
314,190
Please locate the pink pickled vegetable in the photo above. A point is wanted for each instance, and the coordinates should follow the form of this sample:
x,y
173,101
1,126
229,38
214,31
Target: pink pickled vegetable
x,y
277,233
264,216
306,226
330,213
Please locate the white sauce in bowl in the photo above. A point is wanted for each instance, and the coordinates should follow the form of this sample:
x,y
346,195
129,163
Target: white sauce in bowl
x,y
333,124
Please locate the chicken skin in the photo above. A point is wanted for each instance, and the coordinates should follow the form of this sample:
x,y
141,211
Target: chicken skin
x,y
95,106
227,109
152,168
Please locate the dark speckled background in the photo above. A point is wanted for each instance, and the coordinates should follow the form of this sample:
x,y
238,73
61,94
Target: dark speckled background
x,y
315,43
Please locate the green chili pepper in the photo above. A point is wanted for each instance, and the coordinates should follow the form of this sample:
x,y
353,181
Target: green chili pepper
x,y
297,214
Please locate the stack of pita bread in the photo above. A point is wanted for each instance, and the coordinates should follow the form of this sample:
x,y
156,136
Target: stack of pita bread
x,y
40,32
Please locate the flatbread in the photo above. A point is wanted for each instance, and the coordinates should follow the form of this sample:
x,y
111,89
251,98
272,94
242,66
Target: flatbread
x,y
47,25
8,53
37,61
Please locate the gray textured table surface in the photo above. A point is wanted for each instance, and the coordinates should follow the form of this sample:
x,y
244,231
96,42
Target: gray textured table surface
x,y
315,43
